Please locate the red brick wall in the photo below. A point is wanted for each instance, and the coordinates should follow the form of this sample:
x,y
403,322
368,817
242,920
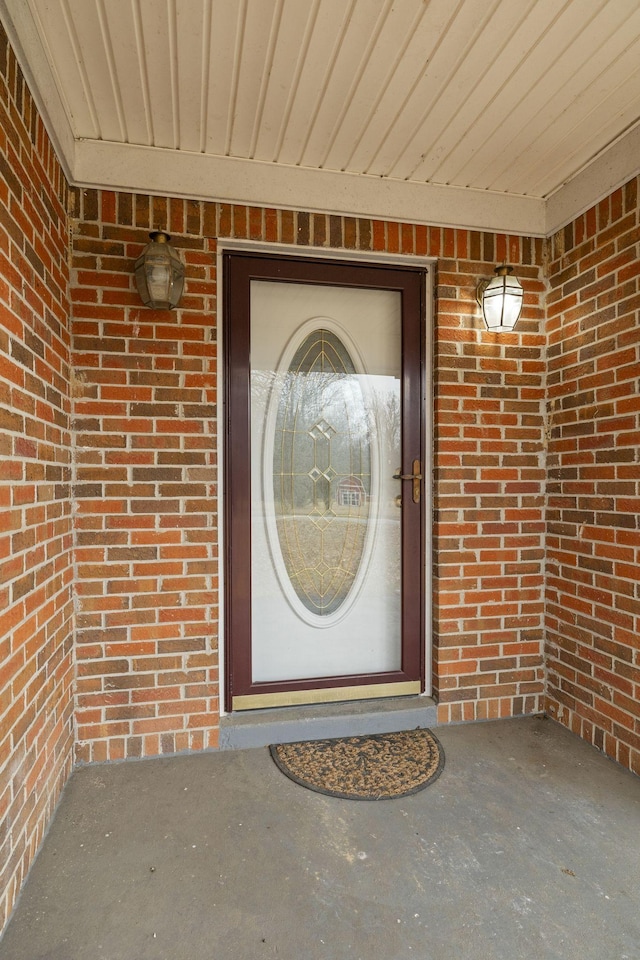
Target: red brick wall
x,y
593,542
489,489
36,603
145,487
147,514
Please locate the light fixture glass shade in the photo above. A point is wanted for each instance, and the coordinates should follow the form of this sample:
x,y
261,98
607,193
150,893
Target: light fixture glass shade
x,y
501,300
159,274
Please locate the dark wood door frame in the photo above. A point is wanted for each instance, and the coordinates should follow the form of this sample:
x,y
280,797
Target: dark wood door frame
x,y
240,269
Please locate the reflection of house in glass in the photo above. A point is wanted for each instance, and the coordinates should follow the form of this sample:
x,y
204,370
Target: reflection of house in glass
x,y
350,492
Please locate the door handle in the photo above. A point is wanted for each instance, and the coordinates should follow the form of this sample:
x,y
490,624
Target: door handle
x,y
416,476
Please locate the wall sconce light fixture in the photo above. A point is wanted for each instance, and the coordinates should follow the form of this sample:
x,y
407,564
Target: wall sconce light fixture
x,y
159,273
500,299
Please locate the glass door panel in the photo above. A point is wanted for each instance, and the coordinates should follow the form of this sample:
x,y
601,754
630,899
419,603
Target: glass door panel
x,y
325,525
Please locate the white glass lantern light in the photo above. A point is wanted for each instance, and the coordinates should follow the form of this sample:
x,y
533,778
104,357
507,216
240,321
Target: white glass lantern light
x,y
501,300
159,273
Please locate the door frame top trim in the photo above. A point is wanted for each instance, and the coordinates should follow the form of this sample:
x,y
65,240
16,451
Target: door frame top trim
x,y
374,257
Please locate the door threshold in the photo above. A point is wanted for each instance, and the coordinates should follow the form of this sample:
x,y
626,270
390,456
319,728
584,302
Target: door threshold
x,y
319,721
297,698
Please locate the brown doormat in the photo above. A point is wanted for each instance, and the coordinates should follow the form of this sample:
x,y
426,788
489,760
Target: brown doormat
x,y
376,767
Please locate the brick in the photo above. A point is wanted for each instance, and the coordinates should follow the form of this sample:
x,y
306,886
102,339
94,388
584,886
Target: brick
x,y
612,232
36,676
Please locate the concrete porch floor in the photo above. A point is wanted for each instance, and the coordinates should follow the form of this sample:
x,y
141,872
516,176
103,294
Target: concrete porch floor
x,y
528,846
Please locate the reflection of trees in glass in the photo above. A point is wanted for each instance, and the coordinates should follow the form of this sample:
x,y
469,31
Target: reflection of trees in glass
x,y
384,417
322,436
378,421
327,420
322,428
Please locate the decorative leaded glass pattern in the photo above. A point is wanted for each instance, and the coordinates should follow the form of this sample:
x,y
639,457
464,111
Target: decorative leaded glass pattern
x,y
322,472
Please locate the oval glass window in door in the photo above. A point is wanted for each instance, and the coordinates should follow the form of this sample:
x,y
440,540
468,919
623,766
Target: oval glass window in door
x,y
322,473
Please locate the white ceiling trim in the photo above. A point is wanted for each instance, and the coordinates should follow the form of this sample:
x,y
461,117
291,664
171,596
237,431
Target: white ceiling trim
x,y
24,36
97,163
613,168
168,172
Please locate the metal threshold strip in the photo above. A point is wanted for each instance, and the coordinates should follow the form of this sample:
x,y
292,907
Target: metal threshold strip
x,y
294,698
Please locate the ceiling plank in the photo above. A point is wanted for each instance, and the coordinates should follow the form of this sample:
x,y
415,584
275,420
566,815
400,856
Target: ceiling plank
x,y
86,27
124,38
393,101
252,63
226,22
588,111
62,48
353,45
291,49
483,78
489,151
323,47
190,64
155,54
372,80
401,150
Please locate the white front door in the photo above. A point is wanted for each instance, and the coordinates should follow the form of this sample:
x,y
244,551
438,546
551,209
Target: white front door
x,y
333,532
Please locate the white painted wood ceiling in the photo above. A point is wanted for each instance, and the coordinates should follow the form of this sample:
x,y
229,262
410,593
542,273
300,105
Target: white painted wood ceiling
x,y
491,99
